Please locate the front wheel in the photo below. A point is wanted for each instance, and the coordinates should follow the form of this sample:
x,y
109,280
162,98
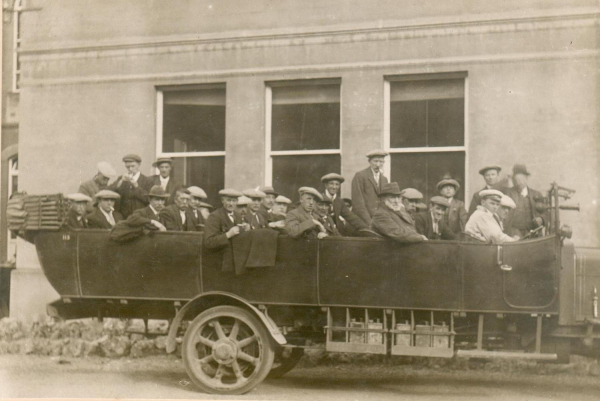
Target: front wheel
x,y
227,350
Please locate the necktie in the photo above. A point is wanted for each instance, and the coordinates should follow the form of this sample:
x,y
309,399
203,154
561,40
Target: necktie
x,y
182,214
231,217
111,219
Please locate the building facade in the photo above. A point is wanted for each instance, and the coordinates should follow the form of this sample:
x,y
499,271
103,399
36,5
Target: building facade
x,y
243,94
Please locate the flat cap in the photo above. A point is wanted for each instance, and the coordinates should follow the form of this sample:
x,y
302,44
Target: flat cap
x,y
269,190
78,198
132,157
158,192
347,200
206,205
197,192
492,167
377,153
230,192
507,201
107,194
494,193
440,200
282,199
253,193
390,188
448,181
325,199
411,193
244,201
331,177
162,160
421,206
310,191
106,169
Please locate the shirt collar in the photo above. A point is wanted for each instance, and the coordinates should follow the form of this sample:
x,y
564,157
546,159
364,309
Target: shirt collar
x,y
136,176
524,192
104,213
163,179
376,175
332,197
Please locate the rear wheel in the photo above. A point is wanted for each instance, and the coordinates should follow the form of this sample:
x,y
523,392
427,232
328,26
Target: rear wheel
x,y
227,350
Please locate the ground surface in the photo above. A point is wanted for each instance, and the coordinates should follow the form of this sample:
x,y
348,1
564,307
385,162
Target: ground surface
x,y
162,377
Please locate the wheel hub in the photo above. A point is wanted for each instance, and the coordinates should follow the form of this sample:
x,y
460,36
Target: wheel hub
x,y
224,351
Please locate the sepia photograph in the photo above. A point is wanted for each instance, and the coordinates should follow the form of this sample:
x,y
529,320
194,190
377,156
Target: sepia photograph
x,y
300,200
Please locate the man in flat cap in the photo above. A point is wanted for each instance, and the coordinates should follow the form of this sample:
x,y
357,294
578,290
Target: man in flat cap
x,y
456,215
491,175
175,216
241,210
410,199
525,216
431,223
133,186
98,183
76,216
194,212
302,221
347,222
223,223
278,213
506,206
150,215
164,179
366,186
484,224
323,211
104,216
254,219
391,220
267,203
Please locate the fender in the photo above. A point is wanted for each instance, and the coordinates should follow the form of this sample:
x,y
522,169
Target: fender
x,y
217,298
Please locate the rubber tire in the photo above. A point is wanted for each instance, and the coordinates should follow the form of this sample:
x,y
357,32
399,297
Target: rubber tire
x,y
254,324
286,364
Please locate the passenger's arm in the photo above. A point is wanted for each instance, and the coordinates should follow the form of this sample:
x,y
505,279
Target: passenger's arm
x,y
213,236
351,218
384,225
168,220
295,228
358,200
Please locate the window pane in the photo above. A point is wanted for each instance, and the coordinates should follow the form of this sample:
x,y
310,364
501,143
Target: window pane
x,y
305,117
194,121
423,171
446,122
407,124
207,173
293,172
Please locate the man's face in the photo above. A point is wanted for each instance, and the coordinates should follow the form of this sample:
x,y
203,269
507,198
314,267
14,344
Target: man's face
x,y
503,212
520,181
491,177
490,204
323,208
377,163
79,208
157,203
229,202
448,191
393,202
348,205
280,208
182,200
410,204
164,169
195,202
437,211
106,204
307,202
242,210
255,204
132,167
269,201
333,187
101,180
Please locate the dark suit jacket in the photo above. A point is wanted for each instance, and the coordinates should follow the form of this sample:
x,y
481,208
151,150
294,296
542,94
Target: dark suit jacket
x,y
96,219
196,223
395,225
365,199
71,221
299,223
514,193
424,226
132,198
215,227
456,216
171,218
256,221
142,217
172,186
352,222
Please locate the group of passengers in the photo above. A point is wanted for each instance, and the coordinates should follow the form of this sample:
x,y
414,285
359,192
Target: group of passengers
x,y
497,213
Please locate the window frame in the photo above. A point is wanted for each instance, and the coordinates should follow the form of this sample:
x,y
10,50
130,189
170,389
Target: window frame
x,y
16,72
388,79
269,153
11,243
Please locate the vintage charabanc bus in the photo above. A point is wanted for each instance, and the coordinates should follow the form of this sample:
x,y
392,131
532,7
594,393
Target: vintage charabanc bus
x,y
528,299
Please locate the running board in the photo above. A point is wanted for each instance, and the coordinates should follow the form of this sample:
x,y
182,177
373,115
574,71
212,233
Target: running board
x,y
506,355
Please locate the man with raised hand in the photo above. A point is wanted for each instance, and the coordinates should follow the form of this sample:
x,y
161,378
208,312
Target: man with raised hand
x,y
133,186
301,222
104,216
223,223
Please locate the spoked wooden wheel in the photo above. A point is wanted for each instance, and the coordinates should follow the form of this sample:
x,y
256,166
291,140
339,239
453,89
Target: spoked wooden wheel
x,y
227,350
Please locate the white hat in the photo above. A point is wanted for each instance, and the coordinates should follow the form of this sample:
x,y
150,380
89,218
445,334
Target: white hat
x,y
507,201
106,169
197,192
282,199
494,193
244,200
78,198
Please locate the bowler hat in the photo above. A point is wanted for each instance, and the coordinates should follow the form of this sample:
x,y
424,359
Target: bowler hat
x,y
377,153
390,188
332,176
450,181
107,194
162,160
440,200
310,191
132,157
106,169
492,167
520,169
157,192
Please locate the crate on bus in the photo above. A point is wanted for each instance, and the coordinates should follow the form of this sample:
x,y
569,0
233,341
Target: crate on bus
x,y
356,330
36,212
